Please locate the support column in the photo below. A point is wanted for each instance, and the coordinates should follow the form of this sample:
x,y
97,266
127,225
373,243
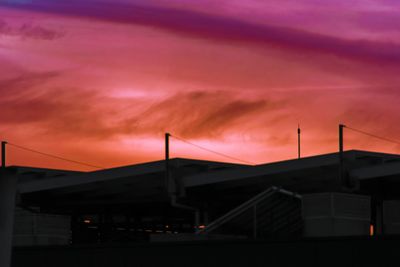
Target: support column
x,y
379,217
205,218
255,223
8,193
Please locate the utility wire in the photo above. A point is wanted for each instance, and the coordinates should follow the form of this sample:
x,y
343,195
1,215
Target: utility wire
x,y
54,156
212,151
373,135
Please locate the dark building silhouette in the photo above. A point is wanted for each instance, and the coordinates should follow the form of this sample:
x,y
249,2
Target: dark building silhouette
x,y
205,203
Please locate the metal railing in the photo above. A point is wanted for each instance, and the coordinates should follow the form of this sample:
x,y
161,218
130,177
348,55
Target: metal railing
x,y
251,203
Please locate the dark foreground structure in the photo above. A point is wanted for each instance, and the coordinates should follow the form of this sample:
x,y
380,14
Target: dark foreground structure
x,y
328,210
346,252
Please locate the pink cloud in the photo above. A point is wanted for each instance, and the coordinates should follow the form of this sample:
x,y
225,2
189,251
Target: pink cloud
x,y
219,28
114,83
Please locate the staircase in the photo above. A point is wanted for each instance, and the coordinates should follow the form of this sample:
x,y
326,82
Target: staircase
x,y
274,213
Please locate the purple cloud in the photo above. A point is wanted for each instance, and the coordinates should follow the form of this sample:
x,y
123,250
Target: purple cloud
x,y
218,28
29,31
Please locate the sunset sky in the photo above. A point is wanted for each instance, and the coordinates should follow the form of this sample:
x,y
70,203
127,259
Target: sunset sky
x,y
102,81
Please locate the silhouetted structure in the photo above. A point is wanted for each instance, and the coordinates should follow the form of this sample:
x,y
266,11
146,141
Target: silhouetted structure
x,y
340,195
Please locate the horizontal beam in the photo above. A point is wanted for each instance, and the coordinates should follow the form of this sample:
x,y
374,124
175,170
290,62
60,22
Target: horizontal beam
x,y
382,170
92,177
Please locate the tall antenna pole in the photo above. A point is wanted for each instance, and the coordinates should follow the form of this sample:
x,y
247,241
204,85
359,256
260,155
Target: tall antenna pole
x,y
341,163
167,135
298,141
3,154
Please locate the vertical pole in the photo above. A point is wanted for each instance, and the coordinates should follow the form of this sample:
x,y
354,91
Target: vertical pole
x,y
197,220
205,218
3,154
379,216
341,163
167,168
298,141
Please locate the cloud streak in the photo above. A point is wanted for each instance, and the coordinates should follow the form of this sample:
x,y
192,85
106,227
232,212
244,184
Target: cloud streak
x,y
29,31
126,72
196,114
75,113
218,28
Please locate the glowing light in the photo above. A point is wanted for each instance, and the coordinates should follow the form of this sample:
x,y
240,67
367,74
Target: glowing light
x,y
136,93
87,221
371,230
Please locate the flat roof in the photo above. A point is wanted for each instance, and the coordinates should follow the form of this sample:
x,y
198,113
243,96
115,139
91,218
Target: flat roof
x,y
53,179
145,182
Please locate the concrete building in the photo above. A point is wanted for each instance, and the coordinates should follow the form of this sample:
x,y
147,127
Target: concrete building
x,y
311,197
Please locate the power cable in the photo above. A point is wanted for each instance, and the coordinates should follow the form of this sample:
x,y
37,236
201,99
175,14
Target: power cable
x,y
54,156
212,151
374,135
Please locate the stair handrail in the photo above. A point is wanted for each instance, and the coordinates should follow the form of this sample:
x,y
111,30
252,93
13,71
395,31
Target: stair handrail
x,y
241,208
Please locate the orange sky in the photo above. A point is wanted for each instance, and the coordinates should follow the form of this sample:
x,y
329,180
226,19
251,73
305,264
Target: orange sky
x,y
102,82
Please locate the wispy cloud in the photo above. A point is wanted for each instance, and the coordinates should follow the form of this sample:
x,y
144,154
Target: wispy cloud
x,y
29,31
196,114
74,112
219,28
132,70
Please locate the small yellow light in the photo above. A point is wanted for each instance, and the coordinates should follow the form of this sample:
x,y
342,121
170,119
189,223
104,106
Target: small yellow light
x,y
371,230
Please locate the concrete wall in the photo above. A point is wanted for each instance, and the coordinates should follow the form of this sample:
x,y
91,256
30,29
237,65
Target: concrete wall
x,y
40,229
391,217
336,214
